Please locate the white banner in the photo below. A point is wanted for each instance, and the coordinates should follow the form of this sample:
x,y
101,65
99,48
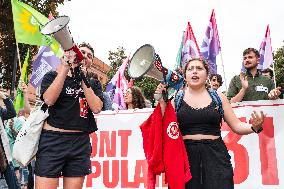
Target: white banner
x,y
118,159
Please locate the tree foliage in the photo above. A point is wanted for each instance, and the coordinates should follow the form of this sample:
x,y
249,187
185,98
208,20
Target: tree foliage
x,y
279,66
116,59
146,84
7,37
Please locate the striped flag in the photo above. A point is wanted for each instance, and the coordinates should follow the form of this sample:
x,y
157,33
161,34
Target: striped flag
x,y
265,51
210,47
117,85
190,47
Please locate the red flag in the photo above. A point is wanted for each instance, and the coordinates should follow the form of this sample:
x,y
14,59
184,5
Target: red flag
x,y
174,152
164,149
190,47
152,144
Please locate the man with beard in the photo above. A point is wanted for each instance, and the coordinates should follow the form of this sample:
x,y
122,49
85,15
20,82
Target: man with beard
x,y
216,81
252,85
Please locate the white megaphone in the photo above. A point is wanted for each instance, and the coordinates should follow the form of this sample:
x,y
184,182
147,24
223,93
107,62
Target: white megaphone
x,y
145,62
59,30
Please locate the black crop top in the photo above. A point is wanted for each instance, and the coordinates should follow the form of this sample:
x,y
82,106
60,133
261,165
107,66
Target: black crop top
x,y
71,110
193,121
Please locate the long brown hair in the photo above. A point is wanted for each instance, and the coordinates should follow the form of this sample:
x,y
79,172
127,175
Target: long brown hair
x,y
138,99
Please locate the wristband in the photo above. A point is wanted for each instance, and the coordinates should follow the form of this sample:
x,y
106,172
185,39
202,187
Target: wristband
x,y
258,131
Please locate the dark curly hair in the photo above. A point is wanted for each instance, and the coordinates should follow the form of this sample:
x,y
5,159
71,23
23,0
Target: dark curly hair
x,y
219,78
205,64
88,46
138,99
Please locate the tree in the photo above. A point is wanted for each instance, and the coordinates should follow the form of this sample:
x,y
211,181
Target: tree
x,y
116,59
146,84
278,57
7,38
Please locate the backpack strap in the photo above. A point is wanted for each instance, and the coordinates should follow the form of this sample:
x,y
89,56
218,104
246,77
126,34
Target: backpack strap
x,y
178,98
213,94
216,100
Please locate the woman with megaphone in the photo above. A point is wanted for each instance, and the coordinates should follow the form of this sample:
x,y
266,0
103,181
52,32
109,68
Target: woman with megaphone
x,y
64,147
199,113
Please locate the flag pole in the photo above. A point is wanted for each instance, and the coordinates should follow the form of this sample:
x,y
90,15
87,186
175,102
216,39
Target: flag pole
x,y
19,57
274,76
225,80
14,73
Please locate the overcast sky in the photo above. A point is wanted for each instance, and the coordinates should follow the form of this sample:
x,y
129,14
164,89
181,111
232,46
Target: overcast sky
x,y
107,24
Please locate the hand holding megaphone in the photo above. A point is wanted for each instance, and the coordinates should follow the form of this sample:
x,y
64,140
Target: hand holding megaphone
x,y
145,62
59,30
161,92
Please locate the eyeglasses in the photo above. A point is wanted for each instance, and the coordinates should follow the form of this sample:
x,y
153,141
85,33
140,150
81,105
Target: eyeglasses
x,y
127,92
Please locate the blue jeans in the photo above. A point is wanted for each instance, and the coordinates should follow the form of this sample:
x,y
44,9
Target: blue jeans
x,y
24,174
11,178
3,184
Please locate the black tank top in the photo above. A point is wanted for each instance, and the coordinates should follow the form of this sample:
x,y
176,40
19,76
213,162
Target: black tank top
x,y
193,121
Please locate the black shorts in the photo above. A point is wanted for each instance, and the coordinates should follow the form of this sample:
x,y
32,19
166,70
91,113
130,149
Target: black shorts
x,y
63,154
210,165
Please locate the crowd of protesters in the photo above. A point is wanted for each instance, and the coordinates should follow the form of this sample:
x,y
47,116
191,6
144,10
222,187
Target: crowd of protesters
x,y
252,85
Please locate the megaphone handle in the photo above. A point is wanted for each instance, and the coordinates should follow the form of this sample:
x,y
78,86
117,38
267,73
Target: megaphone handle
x,y
165,96
86,81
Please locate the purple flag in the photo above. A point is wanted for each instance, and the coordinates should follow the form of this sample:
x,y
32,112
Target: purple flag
x,y
211,45
265,51
117,85
45,61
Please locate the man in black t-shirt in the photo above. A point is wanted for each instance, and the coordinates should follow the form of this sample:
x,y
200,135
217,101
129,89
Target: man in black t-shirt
x,y
64,147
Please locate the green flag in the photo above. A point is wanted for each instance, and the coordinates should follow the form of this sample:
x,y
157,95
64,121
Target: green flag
x,y
178,58
19,101
27,24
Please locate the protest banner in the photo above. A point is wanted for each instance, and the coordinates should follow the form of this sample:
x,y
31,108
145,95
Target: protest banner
x,y
118,160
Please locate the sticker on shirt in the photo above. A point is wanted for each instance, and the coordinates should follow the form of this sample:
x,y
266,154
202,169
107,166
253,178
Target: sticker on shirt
x,y
83,107
73,92
261,88
172,130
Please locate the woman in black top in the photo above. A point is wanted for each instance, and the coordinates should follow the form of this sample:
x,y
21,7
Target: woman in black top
x,y
64,147
200,124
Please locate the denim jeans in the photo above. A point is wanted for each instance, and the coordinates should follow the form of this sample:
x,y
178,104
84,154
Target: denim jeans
x,y
11,178
24,175
3,184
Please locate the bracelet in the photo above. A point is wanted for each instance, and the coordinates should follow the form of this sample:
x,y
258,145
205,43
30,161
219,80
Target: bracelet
x,y
258,131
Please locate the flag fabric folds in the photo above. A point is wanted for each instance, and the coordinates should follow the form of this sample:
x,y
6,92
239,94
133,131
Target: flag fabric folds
x,y
164,148
190,47
210,47
19,100
27,25
44,62
265,51
117,85
178,64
